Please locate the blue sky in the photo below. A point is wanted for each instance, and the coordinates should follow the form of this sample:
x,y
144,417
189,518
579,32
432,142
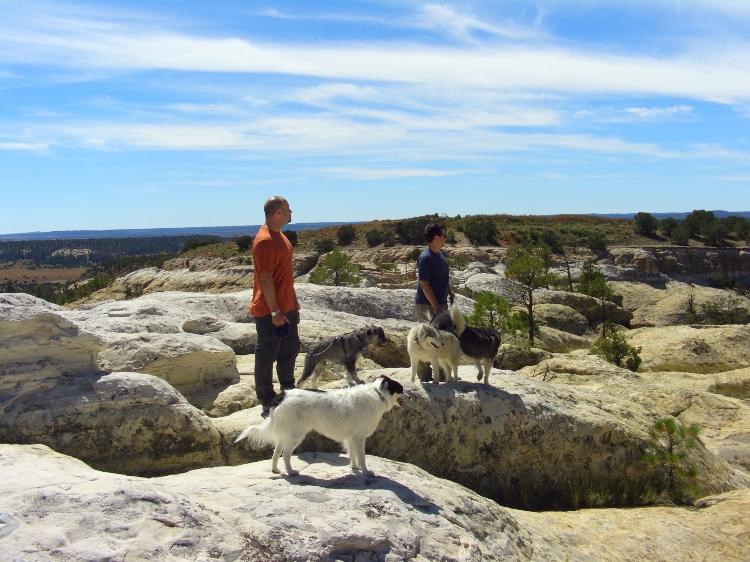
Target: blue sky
x,y
165,114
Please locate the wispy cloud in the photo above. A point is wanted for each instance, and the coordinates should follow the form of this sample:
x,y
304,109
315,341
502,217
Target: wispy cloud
x,y
24,146
369,174
94,44
650,113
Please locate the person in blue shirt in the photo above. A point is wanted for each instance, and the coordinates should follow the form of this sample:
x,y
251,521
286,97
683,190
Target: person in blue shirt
x,y
433,284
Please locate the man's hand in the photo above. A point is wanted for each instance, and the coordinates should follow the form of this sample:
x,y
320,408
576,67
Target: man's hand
x,y
279,319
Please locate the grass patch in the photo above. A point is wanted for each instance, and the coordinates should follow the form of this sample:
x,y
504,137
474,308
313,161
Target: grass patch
x,y
733,389
688,367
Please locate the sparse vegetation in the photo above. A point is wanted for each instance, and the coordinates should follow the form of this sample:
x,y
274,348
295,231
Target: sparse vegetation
x,y
527,266
593,283
645,224
244,243
613,347
668,457
734,389
335,269
324,245
345,234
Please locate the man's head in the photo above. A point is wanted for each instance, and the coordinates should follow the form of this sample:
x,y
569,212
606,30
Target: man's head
x,y
277,212
432,230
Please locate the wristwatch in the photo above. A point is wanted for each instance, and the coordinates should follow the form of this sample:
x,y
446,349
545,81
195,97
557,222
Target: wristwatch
x,y
275,313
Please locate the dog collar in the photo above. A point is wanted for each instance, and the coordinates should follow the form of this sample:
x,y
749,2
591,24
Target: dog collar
x,y
380,394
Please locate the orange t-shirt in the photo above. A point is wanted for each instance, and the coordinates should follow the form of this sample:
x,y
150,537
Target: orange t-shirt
x,y
272,253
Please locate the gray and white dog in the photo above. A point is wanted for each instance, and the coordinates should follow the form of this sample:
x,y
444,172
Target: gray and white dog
x,y
343,349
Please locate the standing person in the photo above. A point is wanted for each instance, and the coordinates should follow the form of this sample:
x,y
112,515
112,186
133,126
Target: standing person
x,y
433,286
274,306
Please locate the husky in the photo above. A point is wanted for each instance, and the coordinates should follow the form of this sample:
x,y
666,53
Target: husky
x,y
440,348
345,348
347,415
478,344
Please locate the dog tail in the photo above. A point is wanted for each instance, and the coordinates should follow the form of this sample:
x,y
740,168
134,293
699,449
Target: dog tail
x,y
258,435
458,320
309,367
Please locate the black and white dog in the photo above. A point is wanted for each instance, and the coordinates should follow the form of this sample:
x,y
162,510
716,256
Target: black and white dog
x,y
343,349
347,415
479,344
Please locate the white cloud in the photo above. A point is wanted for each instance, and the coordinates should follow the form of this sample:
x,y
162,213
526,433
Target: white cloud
x,y
713,75
327,92
24,146
464,26
368,174
650,113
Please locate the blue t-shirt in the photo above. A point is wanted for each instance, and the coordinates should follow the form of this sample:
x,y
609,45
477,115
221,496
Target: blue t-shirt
x,y
433,268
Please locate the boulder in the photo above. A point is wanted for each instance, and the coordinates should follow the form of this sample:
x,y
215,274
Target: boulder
x,y
561,317
518,441
724,420
38,346
709,349
585,305
122,422
515,357
669,305
57,506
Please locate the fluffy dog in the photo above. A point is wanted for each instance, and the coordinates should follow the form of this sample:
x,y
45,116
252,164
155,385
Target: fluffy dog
x,y
440,348
348,415
345,348
479,344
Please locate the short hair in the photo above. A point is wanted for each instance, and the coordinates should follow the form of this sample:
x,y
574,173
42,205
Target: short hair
x,y
274,204
431,230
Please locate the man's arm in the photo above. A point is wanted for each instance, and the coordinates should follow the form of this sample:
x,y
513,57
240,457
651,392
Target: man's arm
x,y
269,294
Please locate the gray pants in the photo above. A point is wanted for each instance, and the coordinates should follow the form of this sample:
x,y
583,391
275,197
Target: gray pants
x,y
424,313
272,348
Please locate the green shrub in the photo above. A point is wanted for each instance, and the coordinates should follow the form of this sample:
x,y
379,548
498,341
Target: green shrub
x,y
458,261
614,348
324,245
680,236
480,231
412,231
244,243
335,269
193,243
374,237
645,224
667,455
291,235
346,234
667,225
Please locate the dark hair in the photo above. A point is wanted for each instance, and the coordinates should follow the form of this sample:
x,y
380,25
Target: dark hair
x,y
274,204
431,230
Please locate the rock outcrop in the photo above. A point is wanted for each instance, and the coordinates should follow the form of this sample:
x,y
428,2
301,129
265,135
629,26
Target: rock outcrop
x,y
57,507
709,349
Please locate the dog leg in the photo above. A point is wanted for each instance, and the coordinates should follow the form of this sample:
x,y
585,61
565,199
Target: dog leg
x,y
360,451
435,369
351,372
275,459
487,368
414,363
351,451
288,446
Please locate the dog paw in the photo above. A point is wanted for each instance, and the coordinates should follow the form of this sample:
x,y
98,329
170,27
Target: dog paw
x,y
292,472
368,473
275,471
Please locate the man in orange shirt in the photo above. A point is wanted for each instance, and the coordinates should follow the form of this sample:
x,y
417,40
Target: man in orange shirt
x,y
274,306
